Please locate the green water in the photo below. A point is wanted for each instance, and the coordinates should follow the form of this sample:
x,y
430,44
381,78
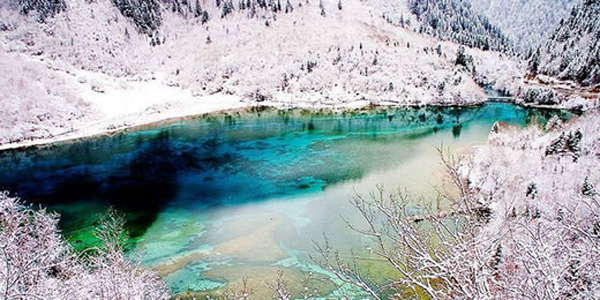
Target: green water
x,y
216,199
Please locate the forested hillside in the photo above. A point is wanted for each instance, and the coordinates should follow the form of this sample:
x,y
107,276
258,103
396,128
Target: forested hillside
x,y
527,23
40,9
275,52
573,49
456,21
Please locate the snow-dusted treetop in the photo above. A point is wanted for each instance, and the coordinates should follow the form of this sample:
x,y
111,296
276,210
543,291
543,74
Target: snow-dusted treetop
x,y
455,20
573,49
527,23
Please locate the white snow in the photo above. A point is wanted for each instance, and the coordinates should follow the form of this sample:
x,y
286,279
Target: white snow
x,y
111,80
102,104
527,23
543,228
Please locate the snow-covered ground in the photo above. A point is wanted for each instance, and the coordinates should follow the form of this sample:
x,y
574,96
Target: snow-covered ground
x,y
54,106
87,71
542,188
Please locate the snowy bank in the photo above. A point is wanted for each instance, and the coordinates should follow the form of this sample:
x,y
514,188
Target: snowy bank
x,y
86,71
58,106
541,186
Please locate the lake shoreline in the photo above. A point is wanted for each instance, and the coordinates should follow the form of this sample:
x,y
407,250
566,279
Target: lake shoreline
x,y
147,120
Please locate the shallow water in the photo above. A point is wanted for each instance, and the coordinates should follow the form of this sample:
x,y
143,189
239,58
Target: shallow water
x,y
215,199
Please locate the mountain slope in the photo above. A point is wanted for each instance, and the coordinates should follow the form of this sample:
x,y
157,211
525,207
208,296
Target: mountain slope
x,y
38,9
526,23
456,21
573,50
315,55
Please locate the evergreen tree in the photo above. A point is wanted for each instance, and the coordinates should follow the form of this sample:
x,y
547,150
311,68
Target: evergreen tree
x,y
456,21
557,145
566,144
531,190
43,9
534,63
537,213
227,8
587,189
288,7
310,65
573,51
463,59
573,143
497,257
204,16
252,12
197,10
146,15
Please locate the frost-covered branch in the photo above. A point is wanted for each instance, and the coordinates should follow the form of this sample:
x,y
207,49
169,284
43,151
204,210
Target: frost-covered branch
x,y
524,222
37,263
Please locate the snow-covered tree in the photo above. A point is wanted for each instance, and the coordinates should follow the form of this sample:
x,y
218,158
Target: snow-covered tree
x,y
322,8
573,49
145,14
227,8
456,21
43,9
463,59
518,224
526,23
197,9
37,263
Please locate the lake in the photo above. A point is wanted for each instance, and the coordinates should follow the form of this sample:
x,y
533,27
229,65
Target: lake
x,y
235,195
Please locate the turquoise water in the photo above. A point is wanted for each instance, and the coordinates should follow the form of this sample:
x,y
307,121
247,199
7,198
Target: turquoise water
x,y
215,199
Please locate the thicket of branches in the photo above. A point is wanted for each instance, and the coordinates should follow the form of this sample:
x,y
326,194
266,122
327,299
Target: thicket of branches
x,y
522,223
433,248
37,263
